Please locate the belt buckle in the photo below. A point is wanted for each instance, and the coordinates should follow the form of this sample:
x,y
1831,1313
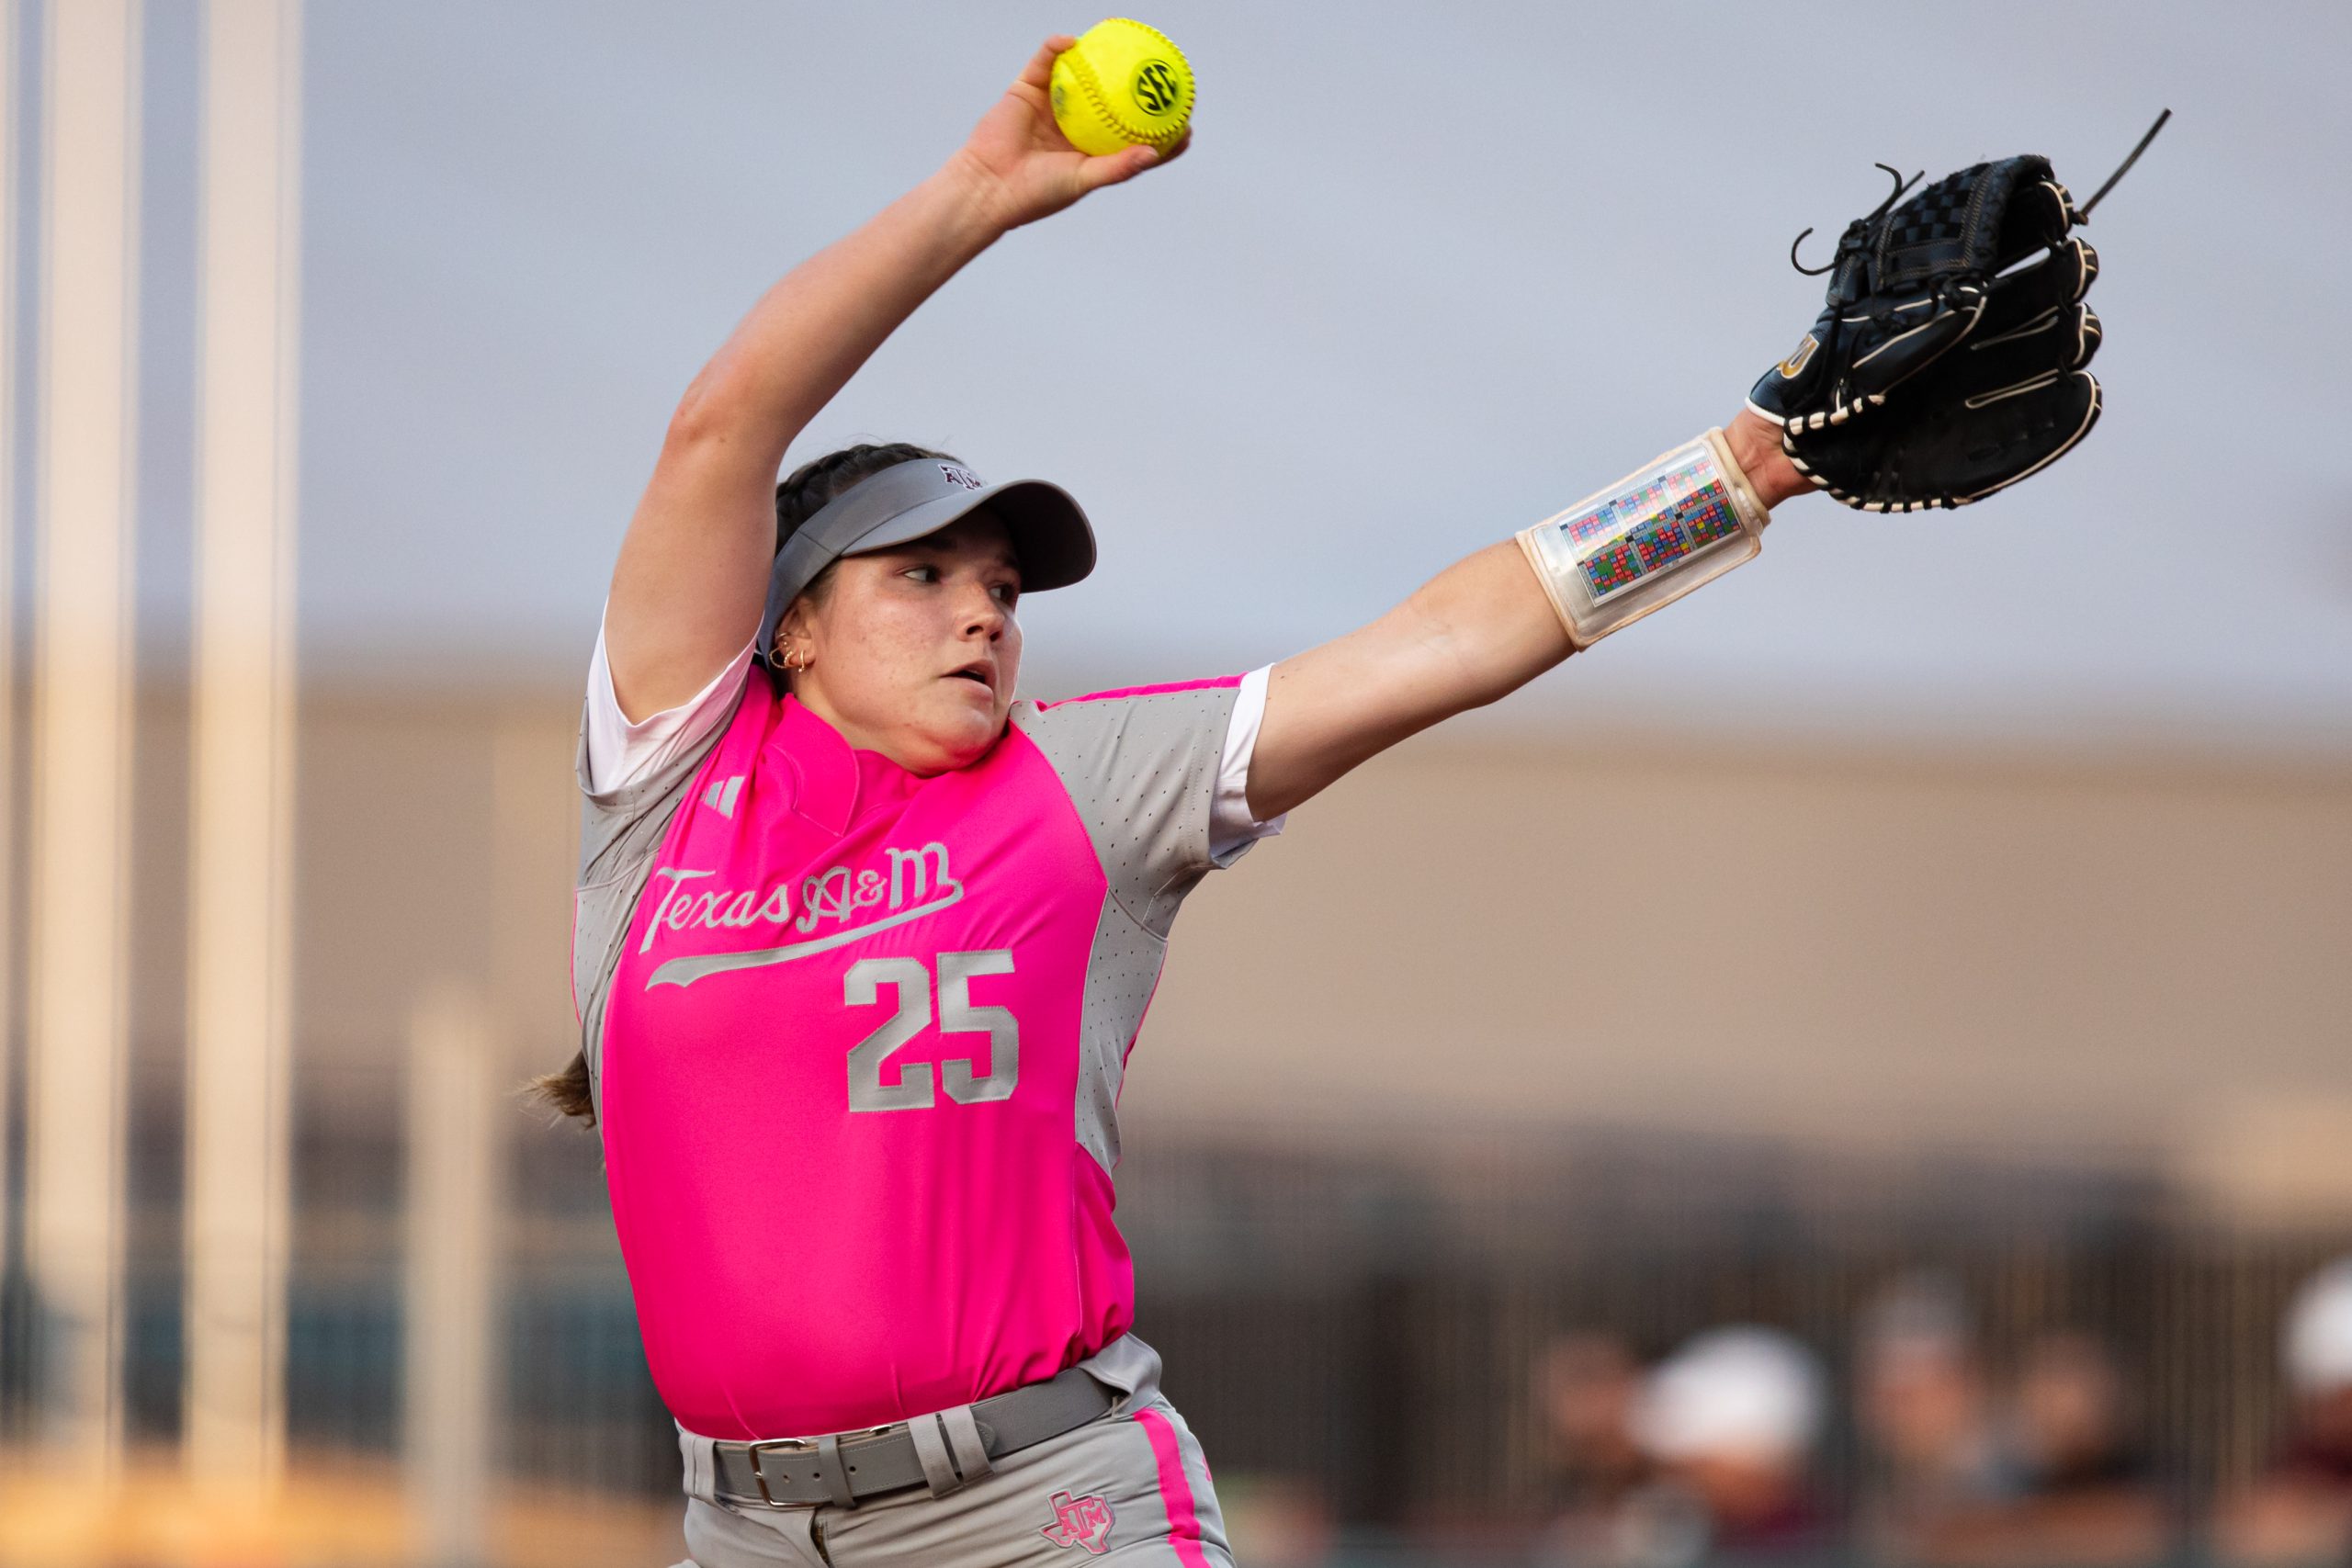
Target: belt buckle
x,y
759,1476
830,1468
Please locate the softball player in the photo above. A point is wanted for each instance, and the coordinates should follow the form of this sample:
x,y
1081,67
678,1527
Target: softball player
x,y
862,942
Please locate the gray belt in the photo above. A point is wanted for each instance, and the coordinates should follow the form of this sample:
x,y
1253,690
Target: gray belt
x,y
943,1452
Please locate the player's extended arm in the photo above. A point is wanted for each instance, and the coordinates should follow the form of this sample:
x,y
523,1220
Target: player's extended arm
x,y
1483,628
692,573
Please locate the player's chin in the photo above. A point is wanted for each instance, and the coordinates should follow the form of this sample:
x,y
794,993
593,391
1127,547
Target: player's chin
x,y
958,731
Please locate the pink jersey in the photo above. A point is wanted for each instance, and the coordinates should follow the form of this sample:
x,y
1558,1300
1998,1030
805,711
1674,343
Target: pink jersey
x,y
859,1036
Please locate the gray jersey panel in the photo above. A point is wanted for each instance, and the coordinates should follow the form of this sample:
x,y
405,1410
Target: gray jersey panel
x,y
1122,971
620,833
1142,772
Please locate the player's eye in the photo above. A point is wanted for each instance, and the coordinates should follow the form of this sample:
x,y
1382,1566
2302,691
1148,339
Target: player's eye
x,y
1007,593
925,573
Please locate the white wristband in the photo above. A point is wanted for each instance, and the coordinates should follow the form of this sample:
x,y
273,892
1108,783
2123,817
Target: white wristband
x,y
1677,522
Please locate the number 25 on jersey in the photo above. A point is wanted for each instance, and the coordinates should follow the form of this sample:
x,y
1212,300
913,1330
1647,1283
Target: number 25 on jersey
x,y
911,1088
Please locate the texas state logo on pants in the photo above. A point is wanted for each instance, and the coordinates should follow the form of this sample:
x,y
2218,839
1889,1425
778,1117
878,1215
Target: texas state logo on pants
x,y
1079,1521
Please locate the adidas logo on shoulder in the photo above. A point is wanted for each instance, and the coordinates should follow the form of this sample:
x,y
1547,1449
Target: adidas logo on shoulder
x,y
720,795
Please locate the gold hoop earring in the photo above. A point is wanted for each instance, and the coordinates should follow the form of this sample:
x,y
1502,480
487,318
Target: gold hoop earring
x,y
794,662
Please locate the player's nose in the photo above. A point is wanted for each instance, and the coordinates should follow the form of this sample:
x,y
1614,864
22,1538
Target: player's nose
x,y
984,614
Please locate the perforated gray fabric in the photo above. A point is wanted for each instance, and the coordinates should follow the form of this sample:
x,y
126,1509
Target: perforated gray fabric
x,y
620,833
1121,971
1142,772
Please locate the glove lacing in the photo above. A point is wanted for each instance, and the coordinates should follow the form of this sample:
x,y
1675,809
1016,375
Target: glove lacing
x,y
1857,234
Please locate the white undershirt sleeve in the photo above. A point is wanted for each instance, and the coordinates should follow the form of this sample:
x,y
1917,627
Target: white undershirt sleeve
x,y
1231,827
620,753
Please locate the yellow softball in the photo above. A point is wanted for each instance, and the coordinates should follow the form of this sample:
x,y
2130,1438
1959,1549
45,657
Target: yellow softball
x,y
1121,85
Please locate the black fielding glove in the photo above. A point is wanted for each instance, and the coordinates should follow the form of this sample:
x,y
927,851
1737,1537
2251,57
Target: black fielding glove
x,y
1907,282
1936,375
2008,401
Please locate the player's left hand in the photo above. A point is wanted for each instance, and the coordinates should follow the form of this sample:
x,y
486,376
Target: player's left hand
x,y
1021,164
1756,442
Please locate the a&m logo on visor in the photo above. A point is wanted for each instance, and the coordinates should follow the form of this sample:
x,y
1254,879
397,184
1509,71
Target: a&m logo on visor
x,y
956,474
1080,1521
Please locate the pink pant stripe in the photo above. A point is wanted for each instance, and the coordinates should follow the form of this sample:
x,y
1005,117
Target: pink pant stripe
x,y
1183,1524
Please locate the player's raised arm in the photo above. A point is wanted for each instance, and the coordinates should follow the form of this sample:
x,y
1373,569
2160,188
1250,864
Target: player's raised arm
x,y
692,573
1491,623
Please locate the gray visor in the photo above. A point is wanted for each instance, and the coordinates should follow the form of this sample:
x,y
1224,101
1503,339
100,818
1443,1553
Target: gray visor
x,y
910,499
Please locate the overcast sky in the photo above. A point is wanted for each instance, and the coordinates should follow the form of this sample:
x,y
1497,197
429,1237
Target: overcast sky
x,y
1428,275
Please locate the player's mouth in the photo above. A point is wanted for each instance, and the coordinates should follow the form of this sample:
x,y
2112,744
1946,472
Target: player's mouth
x,y
978,671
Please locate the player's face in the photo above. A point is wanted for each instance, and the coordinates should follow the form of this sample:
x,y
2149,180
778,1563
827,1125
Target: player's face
x,y
914,651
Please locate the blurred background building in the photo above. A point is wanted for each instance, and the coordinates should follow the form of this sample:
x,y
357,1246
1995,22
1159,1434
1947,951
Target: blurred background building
x,y
1859,1072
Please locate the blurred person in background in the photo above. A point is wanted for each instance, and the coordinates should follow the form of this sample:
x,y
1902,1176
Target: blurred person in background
x,y
1932,1460
2087,1490
2078,1491
2301,1510
1586,1384
1729,1421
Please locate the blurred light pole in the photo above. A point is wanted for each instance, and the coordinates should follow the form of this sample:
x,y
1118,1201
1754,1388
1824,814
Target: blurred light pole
x,y
78,899
241,825
456,1205
9,104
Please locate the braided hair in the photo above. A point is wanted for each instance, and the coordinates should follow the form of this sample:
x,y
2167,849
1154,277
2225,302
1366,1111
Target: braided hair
x,y
804,492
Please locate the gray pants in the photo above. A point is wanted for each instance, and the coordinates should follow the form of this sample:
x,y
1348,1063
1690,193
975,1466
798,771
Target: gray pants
x,y
1131,1486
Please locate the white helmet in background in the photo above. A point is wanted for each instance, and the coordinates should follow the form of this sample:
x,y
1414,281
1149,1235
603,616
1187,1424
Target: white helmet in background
x,y
2317,1344
1737,1392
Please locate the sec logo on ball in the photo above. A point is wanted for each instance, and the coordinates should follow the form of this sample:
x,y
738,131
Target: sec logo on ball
x,y
1156,89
